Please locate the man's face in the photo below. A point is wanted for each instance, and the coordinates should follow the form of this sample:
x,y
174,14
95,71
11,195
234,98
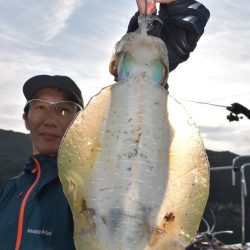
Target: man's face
x,y
47,129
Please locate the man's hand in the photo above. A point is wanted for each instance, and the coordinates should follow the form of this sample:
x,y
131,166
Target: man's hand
x,y
151,5
165,1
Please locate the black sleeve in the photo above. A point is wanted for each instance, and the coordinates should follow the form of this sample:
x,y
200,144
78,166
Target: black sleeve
x,y
183,25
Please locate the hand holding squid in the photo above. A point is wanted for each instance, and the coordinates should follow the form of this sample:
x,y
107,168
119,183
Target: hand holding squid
x,y
149,6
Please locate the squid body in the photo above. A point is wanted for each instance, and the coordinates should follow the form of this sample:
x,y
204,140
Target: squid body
x,y
132,164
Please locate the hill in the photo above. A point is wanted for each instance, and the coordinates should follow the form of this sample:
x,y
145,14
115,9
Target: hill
x,y
224,199
15,148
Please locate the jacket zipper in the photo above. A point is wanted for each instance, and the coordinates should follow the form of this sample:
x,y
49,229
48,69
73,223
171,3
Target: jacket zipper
x,y
24,202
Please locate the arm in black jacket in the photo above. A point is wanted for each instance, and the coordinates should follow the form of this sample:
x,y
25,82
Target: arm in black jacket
x,y
183,24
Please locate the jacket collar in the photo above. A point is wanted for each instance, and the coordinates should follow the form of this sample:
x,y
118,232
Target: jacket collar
x,y
49,172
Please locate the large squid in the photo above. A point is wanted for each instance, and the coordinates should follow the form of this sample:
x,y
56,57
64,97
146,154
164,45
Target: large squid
x,y
132,164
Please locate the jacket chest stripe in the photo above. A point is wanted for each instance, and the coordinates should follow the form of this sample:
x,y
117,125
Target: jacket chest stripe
x,y
22,209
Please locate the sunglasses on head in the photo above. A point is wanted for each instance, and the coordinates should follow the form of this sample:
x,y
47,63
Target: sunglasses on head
x,y
64,108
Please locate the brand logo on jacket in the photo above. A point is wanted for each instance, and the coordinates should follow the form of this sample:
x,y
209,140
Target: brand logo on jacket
x,y
40,232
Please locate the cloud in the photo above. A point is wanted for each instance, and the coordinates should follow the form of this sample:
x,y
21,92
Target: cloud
x,y
56,18
232,137
40,22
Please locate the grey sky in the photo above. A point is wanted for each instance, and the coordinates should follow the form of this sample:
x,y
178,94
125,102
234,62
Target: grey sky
x,y
77,37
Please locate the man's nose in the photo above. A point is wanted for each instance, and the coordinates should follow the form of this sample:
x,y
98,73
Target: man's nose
x,y
51,117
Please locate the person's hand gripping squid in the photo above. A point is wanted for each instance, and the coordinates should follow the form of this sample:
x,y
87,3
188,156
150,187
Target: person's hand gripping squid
x,y
151,5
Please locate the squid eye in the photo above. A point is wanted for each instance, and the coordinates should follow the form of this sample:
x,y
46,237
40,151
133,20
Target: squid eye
x,y
158,71
125,66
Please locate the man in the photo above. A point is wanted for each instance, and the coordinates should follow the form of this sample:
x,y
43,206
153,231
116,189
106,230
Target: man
x,y
34,213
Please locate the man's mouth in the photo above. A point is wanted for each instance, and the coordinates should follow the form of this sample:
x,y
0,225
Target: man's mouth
x,y
49,136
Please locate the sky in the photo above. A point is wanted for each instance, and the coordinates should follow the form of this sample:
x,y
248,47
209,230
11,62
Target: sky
x,y
77,37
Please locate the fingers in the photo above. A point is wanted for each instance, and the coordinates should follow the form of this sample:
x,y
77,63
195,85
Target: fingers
x,y
165,1
141,6
151,5
150,8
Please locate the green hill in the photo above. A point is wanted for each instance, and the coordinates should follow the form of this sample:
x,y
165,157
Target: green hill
x,y
224,199
15,148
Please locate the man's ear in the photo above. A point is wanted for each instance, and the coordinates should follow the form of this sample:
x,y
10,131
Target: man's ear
x,y
25,118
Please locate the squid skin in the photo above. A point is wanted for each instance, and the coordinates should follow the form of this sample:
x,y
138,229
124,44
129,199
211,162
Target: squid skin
x,y
132,164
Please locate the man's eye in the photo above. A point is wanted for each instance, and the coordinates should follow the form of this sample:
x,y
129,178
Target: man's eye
x,y
39,106
65,109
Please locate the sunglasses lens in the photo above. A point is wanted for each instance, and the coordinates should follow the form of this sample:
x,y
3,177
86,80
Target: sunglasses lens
x,y
39,105
66,108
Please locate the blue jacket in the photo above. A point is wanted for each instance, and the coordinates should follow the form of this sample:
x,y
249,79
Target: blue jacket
x,y
45,222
